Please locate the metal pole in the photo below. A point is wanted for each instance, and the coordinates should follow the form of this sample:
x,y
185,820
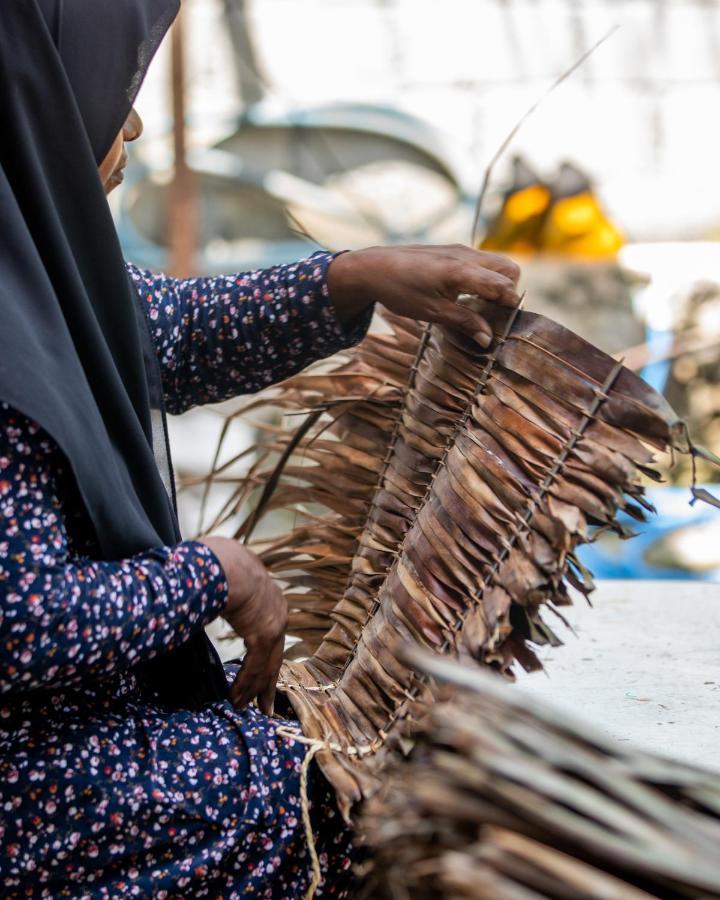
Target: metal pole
x,y
183,218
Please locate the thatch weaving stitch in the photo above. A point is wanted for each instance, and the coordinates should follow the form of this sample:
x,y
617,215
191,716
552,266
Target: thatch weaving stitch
x,y
506,798
438,494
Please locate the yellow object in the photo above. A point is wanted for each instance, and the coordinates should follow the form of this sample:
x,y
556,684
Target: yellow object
x,y
523,205
577,226
516,228
564,219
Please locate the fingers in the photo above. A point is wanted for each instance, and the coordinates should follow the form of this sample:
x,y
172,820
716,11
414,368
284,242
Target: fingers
x,y
474,278
249,683
465,321
501,264
494,262
266,699
258,676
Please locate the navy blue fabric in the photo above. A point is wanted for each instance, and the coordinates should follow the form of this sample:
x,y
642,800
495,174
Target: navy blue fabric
x,y
72,340
104,793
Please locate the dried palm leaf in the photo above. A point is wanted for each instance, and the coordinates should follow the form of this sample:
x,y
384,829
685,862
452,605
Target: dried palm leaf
x,y
504,797
439,493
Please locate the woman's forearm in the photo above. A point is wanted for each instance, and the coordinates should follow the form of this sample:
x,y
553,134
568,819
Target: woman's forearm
x,y
63,623
222,336
61,617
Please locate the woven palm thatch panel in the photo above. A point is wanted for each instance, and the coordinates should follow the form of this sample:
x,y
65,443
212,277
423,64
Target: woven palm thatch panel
x,y
505,798
439,493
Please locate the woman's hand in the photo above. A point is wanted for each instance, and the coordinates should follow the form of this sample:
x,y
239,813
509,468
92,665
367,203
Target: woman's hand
x,y
423,283
257,612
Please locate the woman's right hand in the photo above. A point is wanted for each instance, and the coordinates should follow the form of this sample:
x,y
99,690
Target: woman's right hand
x,y
256,611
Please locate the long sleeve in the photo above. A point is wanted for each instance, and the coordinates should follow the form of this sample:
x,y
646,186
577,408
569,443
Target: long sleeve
x,y
227,335
64,617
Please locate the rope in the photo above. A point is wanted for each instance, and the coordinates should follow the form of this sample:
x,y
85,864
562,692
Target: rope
x,y
313,748
353,750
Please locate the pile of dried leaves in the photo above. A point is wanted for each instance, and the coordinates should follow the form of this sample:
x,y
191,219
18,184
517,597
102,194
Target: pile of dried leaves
x,y
504,798
438,494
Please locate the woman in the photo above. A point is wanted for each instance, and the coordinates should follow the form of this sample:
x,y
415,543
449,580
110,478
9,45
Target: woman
x,y
131,763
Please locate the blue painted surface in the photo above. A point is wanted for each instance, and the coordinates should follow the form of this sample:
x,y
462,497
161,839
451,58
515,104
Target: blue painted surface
x,y
659,345
613,558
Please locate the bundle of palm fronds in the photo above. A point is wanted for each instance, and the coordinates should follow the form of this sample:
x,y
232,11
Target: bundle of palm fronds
x,y
439,493
505,798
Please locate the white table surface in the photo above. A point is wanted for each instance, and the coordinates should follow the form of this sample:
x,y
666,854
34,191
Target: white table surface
x,y
644,666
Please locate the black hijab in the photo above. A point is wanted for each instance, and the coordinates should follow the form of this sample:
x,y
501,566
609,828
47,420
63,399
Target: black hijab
x,y
75,351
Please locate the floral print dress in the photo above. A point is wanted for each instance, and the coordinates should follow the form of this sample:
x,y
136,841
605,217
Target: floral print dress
x,y
103,794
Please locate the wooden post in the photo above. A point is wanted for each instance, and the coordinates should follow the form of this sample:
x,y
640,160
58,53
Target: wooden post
x,y
183,224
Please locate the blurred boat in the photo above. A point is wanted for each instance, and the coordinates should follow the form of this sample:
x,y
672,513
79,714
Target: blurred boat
x,y
351,174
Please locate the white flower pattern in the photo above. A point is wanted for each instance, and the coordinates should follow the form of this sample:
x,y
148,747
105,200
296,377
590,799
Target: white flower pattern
x,y
102,793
